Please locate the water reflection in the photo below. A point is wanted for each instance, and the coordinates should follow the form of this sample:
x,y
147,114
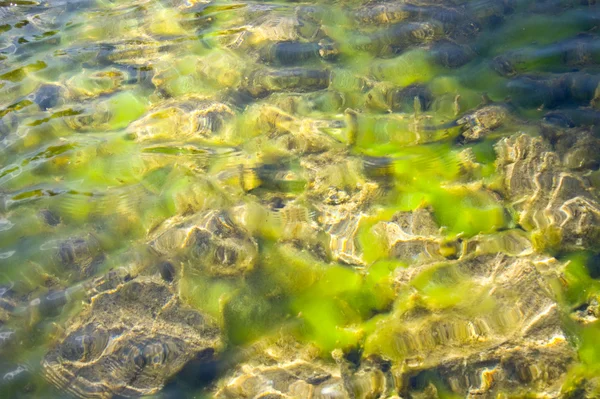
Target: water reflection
x,y
358,199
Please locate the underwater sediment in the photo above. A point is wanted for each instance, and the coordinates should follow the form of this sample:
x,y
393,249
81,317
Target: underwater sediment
x,y
281,199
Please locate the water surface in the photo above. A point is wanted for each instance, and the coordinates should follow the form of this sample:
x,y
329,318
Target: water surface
x,y
341,199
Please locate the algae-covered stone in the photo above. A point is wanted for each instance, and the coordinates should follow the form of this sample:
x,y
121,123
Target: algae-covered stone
x,y
382,13
77,256
452,55
552,91
560,206
287,134
487,348
342,194
262,82
194,75
297,52
399,37
456,22
282,369
576,51
106,115
277,36
514,242
296,379
88,85
7,305
210,239
483,120
287,220
131,52
129,342
411,99
413,237
184,119
271,26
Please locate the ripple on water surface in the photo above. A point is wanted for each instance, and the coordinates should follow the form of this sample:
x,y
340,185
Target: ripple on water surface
x,y
352,199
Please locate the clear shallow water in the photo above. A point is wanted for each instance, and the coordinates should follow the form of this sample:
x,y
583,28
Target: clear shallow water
x,y
222,199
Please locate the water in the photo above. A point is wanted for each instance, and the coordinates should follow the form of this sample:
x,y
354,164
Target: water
x,y
310,199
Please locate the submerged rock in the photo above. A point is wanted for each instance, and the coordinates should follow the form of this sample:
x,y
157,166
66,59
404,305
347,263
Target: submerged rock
x,y
321,171
77,256
582,50
296,379
7,305
382,13
483,120
48,96
399,37
262,82
510,342
210,240
552,91
128,342
587,313
184,119
341,193
262,25
413,237
288,134
452,55
297,52
280,370
482,325
559,206
577,148
410,99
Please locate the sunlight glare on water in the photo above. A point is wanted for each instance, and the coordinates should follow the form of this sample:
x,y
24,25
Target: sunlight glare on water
x,y
299,199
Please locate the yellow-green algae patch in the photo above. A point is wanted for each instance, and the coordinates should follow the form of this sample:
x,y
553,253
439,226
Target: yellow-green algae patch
x,y
329,302
82,189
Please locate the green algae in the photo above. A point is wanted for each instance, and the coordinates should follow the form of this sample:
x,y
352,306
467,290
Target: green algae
x,y
329,302
468,212
21,73
106,183
125,108
545,28
411,67
576,288
580,287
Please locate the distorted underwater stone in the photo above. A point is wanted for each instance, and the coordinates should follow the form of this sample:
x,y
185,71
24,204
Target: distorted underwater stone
x,y
560,206
76,256
342,195
186,119
88,85
112,114
296,379
129,342
483,121
287,220
284,369
510,342
374,199
413,237
210,240
288,134
262,82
